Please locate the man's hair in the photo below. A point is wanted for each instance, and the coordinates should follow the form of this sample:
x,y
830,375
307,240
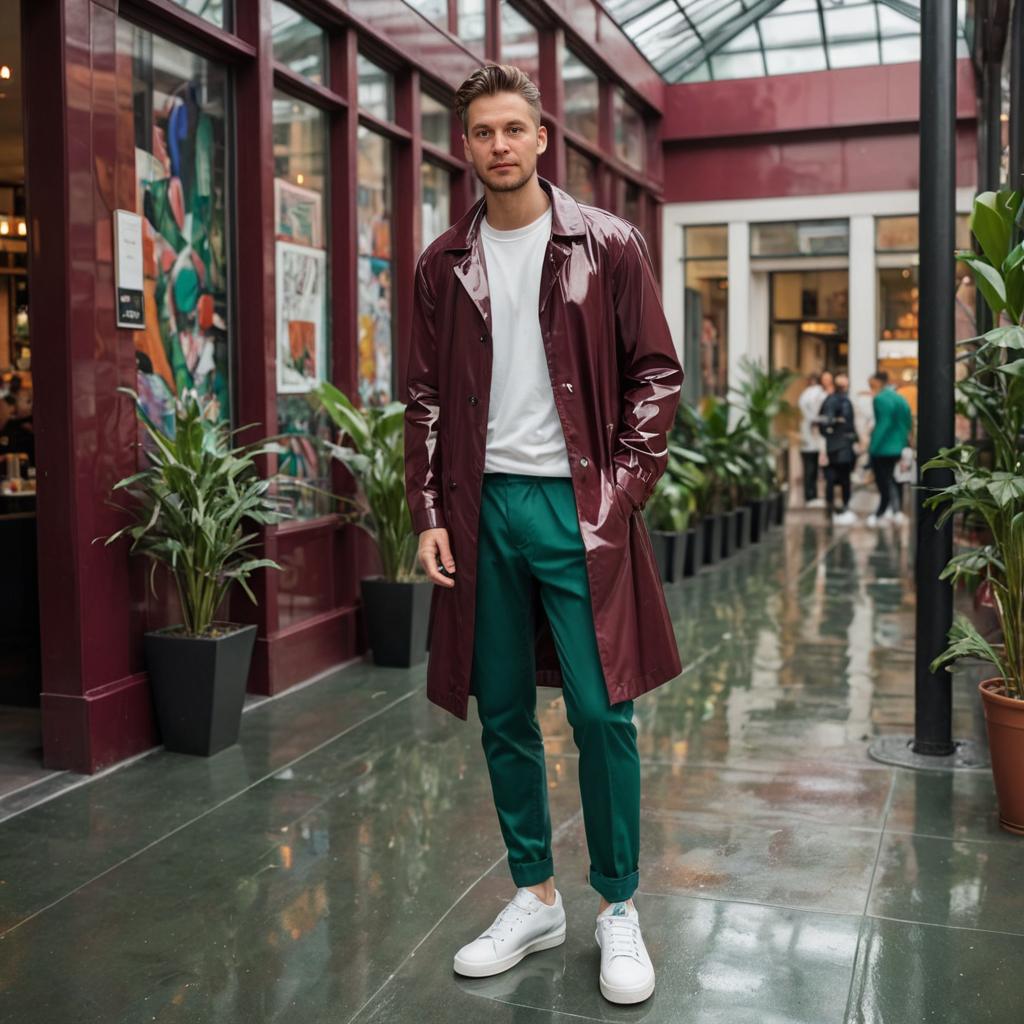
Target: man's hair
x,y
814,378
489,81
881,376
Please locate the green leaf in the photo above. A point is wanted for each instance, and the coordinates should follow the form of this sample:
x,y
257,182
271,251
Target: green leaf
x,y
990,283
992,225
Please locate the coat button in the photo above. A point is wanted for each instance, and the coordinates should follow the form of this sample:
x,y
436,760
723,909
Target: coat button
x,y
568,387
483,337
451,485
473,400
584,463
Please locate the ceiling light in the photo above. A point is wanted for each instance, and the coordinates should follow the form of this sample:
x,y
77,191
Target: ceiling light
x,y
22,228
5,228
5,71
299,178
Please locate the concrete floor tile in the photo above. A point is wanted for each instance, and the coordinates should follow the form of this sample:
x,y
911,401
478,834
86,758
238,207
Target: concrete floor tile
x,y
912,972
950,882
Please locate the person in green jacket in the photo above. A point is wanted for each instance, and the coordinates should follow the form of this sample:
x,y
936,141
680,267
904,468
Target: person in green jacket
x,y
891,434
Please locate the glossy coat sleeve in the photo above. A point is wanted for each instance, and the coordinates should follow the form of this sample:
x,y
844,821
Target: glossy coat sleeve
x,y
651,376
422,414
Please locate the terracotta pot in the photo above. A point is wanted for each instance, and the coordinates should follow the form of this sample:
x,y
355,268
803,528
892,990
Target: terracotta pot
x,y
1004,720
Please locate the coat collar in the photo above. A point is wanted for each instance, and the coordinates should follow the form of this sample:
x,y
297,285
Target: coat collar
x,y
566,219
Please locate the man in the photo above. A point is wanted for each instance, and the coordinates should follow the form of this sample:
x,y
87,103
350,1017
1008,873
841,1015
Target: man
x,y
542,383
811,441
837,426
891,434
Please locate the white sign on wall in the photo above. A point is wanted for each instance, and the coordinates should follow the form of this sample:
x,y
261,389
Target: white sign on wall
x,y
128,275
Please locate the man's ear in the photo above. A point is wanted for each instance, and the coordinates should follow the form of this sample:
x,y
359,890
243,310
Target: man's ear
x,y
542,139
465,149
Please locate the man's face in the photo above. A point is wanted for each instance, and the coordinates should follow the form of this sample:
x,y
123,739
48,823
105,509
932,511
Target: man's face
x,y
503,143
842,383
826,381
875,384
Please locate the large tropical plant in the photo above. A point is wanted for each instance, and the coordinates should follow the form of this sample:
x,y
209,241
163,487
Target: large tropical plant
x,y
375,456
988,481
194,506
761,400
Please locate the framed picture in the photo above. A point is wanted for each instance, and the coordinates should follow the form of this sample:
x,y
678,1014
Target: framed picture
x,y
301,283
298,214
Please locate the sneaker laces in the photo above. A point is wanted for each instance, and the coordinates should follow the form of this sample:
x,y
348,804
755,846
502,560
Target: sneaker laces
x,y
511,914
621,937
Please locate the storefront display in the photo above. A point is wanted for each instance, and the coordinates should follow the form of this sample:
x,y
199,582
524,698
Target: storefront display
x,y
182,191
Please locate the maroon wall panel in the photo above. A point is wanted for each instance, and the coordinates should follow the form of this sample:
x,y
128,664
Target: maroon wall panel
x,y
792,165
847,98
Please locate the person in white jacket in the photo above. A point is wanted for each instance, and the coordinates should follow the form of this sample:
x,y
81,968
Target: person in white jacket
x,y
812,444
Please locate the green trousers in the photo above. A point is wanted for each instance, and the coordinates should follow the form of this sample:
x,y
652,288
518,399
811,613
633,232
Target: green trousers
x,y
529,530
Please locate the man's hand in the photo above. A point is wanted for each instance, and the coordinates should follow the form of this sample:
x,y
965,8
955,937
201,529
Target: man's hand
x,y
434,548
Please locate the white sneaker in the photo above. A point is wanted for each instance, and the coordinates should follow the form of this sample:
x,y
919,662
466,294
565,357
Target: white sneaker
x,y
627,975
899,518
872,520
816,503
888,515
846,518
525,925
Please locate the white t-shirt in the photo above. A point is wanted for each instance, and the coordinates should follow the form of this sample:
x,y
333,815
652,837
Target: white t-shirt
x,y
524,434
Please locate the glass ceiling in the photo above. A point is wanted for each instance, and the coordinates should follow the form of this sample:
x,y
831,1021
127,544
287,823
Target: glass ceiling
x,y
700,40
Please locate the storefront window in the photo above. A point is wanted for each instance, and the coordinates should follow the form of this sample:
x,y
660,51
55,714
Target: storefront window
x,y
471,22
183,192
376,90
706,336
217,12
582,97
519,45
436,210
436,120
373,200
800,238
299,44
301,280
896,242
629,202
630,135
581,176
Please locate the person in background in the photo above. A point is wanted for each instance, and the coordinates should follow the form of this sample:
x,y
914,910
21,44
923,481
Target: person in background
x,y
891,434
838,427
811,442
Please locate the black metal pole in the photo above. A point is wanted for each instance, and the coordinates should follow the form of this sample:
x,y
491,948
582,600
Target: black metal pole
x,y
1016,110
933,694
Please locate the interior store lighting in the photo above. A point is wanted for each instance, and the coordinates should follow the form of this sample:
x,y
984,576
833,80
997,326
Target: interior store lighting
x,y
5,72
5,227
22,228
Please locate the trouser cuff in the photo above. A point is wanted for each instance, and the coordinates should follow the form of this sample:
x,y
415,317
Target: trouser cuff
x,y
533,873
615,890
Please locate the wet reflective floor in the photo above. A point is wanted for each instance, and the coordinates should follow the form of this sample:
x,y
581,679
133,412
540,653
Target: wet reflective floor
x,y
326,868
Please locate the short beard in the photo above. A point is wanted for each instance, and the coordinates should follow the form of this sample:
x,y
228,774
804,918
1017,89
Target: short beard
x,y
511,186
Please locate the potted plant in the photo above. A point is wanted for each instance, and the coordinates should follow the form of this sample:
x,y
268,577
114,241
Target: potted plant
x,y
762,398
668,511
397,602
988,485
192,509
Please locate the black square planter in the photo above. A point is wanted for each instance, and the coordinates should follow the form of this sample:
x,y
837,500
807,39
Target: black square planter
x,y
756,526
198,686
694,550
743,530
712,539
397,614
728,534
668,554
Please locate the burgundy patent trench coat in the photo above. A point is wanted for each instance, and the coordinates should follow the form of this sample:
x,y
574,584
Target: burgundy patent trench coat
x,y
616,382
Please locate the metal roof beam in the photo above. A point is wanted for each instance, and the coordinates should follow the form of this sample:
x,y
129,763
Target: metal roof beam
x,y
717,39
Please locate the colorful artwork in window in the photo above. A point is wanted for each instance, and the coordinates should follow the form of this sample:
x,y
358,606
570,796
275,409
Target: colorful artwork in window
x,y
183,193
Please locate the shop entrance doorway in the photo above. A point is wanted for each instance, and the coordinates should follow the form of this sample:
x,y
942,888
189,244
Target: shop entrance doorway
x,y
21,745
809,320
